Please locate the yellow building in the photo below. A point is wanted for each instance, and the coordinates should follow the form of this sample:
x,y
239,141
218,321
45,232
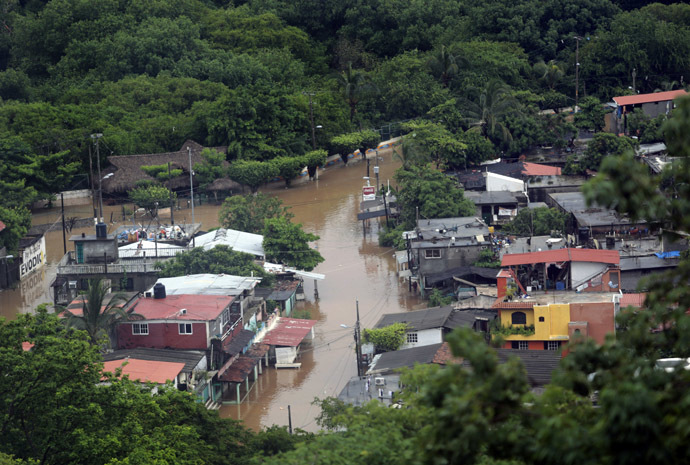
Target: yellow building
x,y
550,323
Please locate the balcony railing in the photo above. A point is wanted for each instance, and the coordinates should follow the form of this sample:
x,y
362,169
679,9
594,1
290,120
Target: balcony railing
x,y
67,266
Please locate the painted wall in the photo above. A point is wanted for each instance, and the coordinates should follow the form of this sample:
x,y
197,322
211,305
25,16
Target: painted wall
x,y
451,257
555,325
163,335
497,182
583,271
599,317
425,337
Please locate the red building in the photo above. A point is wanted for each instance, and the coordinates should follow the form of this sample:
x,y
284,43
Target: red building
x,y
177,322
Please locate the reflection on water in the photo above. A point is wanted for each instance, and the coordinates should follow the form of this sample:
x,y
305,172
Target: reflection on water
x,y
356,268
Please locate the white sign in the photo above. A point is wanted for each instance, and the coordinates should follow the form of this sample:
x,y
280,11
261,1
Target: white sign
x,y
369,193
33,258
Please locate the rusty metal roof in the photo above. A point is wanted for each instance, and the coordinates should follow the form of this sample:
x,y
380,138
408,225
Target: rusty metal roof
x,y
289,332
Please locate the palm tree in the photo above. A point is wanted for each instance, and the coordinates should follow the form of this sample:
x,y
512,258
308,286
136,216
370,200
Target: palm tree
x,y
488,111
353,85
550,72
98,318
443,65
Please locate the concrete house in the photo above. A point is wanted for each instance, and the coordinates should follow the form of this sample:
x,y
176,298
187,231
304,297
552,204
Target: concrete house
x,y
429,326
443,244
177,321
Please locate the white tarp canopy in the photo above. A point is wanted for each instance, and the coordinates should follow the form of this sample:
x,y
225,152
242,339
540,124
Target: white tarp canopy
x,y
238,241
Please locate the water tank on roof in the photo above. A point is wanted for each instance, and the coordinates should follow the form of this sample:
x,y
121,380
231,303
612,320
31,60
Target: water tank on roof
x,y
101,230
159,291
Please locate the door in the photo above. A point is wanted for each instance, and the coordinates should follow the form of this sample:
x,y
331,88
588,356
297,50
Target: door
x,y
80,252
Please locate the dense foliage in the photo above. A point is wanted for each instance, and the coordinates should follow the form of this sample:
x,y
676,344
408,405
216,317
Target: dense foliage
x,y
537,222
386,339
248,212
221,259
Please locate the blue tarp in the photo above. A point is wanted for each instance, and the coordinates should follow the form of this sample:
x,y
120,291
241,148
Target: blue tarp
x,y
674,254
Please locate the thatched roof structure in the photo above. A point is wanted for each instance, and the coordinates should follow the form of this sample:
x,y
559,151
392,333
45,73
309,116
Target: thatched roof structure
x,y
224,184
127,170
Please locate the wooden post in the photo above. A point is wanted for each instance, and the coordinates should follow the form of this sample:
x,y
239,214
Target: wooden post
x,y
289,420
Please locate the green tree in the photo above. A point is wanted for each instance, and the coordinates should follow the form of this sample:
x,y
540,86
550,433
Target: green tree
x,y
487,112
601,146
286,243
437,299
17,222
210,169
444,65
433,142
353,85
219,260
478,148
151,196
591,114
386,339
248,212
551,73
313,160
58,409
288,168
435,194
98,317
252,173
345,144
537,222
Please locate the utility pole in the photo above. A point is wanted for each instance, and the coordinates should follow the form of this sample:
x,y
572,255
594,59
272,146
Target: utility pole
x,y
376,168
289,420
311,120
634,75
93,189
577,69
172,217
358,344
64,239
191,185
97,137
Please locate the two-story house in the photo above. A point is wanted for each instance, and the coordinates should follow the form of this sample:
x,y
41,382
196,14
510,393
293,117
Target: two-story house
x,y
176,321
439,246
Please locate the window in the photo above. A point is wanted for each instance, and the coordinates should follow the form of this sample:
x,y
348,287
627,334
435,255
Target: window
x,y
518,318
412,338
224,317
141,329
520,345
552,345
432,253
541,319
185,328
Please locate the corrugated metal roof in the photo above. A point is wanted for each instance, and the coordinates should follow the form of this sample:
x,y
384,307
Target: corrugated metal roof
x,y
207,284
649,98
390,361
239,370
289,332
562,255
145,370
238,241
190,358
198,307
539,364
236,344
420,319
508,305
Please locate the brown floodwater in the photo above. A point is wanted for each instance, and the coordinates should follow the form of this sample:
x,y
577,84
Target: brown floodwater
x,y
356,269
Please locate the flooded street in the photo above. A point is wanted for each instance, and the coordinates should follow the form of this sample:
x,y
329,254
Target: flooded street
x,y
355,268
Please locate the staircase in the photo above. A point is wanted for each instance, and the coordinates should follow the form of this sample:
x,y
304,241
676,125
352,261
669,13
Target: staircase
x,y
211,405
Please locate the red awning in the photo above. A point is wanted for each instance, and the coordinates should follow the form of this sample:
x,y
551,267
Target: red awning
x,y
289,332
562,255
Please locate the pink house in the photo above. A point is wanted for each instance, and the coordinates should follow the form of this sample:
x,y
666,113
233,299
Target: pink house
x,y
177,322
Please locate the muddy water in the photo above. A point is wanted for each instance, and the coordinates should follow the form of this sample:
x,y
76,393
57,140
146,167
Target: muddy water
x,y
356,268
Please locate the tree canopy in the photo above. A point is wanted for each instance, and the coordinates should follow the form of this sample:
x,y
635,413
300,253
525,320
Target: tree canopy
x,y
286,243
248,212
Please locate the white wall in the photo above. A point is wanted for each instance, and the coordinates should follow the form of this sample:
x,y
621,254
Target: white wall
x,y
286,354
497,182
583,271
425,337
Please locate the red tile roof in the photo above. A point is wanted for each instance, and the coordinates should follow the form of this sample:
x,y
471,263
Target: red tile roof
x,y
633,300
444,356
535,169
649,98
289,332
562,255
2,226
499,304
27,346
199,307
145,370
